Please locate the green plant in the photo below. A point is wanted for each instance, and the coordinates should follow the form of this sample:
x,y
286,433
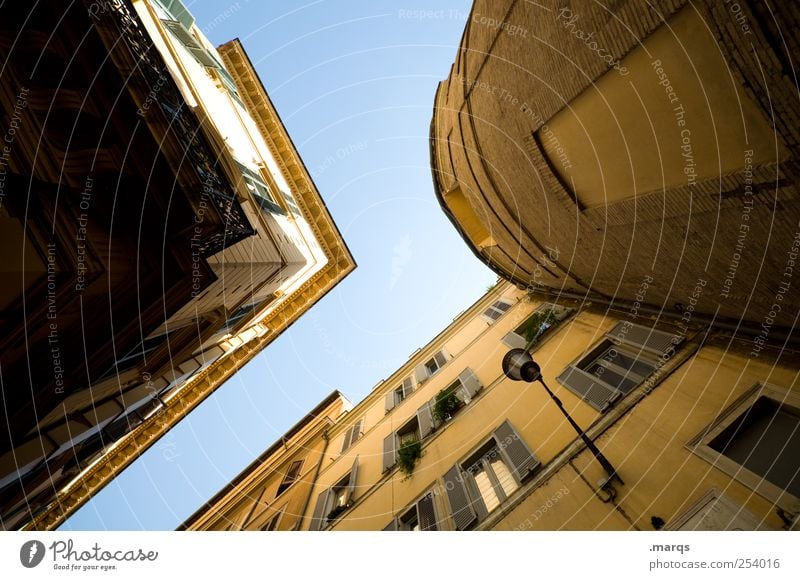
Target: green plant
x,y
536,325
408,455
446,405
334,513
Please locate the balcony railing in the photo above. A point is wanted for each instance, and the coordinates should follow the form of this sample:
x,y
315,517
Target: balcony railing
x,y
116,20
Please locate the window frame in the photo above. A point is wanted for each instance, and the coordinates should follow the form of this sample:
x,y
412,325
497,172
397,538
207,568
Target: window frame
x,y
493,309
640,352
700,444
397,522
286,482
515,340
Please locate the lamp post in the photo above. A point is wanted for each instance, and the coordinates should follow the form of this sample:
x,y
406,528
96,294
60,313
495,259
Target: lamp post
x,y
518,365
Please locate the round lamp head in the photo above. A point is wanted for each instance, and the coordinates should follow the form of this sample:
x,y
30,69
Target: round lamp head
x,y
518,365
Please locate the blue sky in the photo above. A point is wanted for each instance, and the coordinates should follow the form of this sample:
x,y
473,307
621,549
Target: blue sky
x,y
354,83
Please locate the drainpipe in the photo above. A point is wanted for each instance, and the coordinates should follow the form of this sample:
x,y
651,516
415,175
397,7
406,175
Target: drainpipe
x,y
316,475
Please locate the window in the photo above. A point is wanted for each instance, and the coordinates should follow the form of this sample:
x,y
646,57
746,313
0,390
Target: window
x,y
399,394
431,366
260,190
757,441
478,485
238,315
178,11
272,523
618,364
332,502
420,517
539,324
427,419
496,310
352,435
292,474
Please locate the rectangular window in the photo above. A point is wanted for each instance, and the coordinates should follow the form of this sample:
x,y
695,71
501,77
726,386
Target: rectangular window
x,y
399,394
260,190
481,483
335,500
618,364
420,517
352,435
292,474
757,441
496,310
434,364
539,324
272,523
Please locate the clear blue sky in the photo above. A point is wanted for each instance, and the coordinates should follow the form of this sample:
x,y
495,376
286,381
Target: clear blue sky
x,y
354,83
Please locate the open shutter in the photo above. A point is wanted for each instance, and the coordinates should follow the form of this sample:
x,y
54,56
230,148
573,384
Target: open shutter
x,y
425,420
351,484
470,385
389,452
318,519
348,437
356,434
588,387
460,507
392,526
408,387
426,513
391,401
421,373
520,459
648,339
440,358
514,340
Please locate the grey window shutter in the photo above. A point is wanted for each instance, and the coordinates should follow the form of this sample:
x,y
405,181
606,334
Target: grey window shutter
x,y
514,340
460,506
390,401
348,436
440,358
426,512
357,428
425,420
470,385
421,373
588,387
351,484
392,526
389,452
520,459
648,339
408,387
318,519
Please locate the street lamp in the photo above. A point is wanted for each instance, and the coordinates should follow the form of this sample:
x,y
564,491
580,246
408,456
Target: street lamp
x,y
518,365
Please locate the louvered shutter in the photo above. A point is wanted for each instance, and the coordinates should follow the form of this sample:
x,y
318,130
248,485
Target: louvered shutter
x,y
391,527
470,385
426,514
356,434
588,387
460,507
521,461
348,437
648,339
514,340
425,420
440,358
389,452
318,519
351,484
408,387
391,401
421,373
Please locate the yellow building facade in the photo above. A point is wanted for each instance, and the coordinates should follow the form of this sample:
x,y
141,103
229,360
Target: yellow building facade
x,y
701,430
704,435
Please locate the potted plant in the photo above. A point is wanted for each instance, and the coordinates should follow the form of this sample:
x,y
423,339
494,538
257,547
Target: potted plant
x,y
408,455
447,403
537,325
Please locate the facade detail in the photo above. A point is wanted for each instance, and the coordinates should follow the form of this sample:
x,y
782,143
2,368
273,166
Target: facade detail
x,y
138,319
628,153
703,435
